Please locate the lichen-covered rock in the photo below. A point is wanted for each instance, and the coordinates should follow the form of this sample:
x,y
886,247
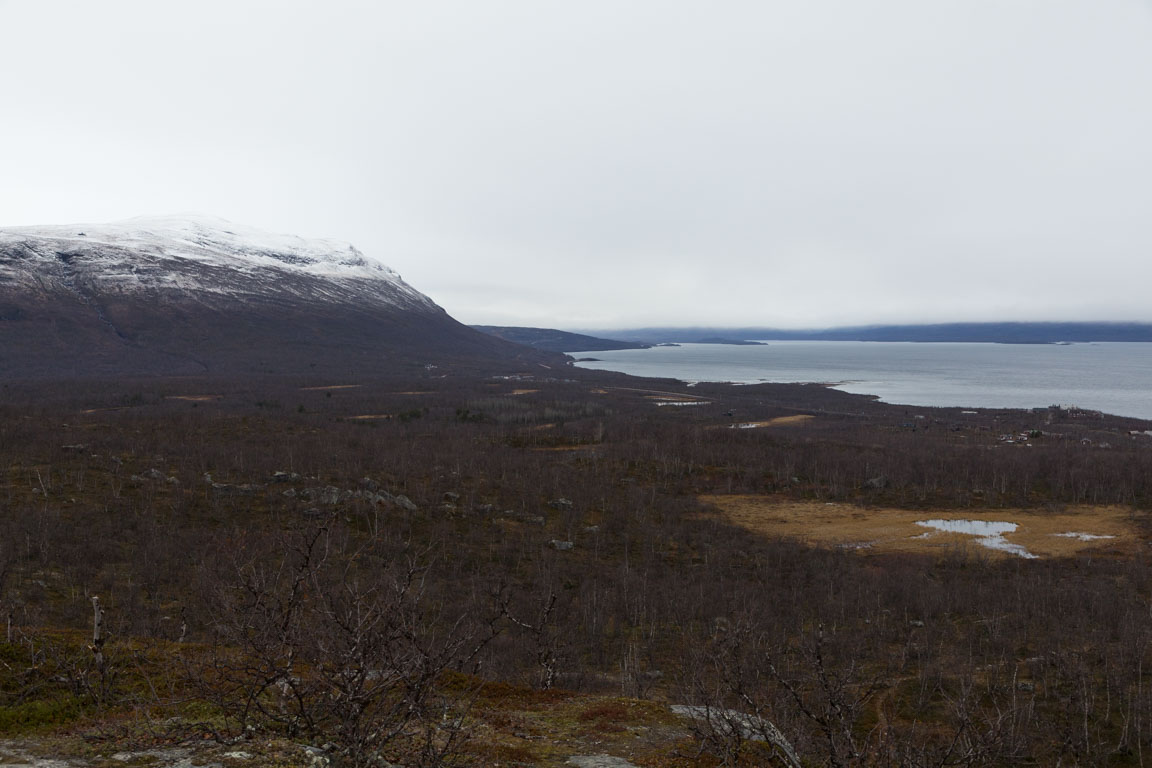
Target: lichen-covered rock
x,y
599,761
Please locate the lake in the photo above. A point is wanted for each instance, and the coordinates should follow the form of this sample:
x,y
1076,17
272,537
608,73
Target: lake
x,y
1113,377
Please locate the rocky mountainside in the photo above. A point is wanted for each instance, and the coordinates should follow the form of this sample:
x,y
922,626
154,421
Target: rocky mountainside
x,y
196,295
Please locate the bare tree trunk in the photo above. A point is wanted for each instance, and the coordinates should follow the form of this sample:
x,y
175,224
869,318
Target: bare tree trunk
x,y
98,633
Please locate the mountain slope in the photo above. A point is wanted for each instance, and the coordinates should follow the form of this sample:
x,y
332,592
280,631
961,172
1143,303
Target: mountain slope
x,y
552,340
189,295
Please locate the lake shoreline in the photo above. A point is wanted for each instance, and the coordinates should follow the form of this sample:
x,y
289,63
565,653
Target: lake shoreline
x,y
1110,377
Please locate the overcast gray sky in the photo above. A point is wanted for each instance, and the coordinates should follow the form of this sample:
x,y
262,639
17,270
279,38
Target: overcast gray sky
x,y
618,163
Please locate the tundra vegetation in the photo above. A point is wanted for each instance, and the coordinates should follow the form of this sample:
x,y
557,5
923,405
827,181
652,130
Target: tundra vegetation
x,y
515,570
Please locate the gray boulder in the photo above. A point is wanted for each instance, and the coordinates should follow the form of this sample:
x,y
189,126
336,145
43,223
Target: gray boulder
x,y
404,502
599,761
327,495
731,722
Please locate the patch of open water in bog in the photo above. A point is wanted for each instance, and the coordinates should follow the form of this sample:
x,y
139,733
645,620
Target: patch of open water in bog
x,y
988,533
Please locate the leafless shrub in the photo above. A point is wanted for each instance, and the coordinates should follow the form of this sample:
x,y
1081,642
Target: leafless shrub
x,y
337,642
750,686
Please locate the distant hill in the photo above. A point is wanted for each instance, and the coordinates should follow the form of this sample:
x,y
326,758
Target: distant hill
x,y
551,340
1003,333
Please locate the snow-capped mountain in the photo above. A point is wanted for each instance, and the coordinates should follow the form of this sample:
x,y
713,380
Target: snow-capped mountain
x,y
189,255
195,294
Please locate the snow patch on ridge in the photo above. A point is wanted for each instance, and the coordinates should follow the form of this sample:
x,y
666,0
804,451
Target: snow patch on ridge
x,y
132,254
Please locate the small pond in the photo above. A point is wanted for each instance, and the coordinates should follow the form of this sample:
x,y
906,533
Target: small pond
x,y
988,533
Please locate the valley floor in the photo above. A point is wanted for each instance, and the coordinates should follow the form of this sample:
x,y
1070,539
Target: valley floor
x,y
534,568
